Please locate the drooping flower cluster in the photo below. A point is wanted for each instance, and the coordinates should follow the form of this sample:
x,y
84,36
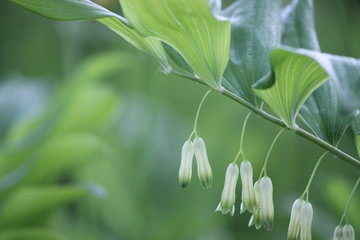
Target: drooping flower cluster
x,y
263,211
300,220
198,148
257,198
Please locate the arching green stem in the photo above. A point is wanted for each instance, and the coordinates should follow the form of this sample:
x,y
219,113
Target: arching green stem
x,y
198,112
241,152
312,177
263,170
299,131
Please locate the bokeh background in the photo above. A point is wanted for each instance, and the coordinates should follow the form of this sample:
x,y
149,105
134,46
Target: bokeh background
x,y
91,133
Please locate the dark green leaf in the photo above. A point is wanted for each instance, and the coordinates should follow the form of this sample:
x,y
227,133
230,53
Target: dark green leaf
x,y
255,30
299,26
322,112
331,108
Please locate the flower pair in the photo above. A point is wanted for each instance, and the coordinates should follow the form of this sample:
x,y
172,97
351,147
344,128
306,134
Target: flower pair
x,y
257,198
300,220
344,233
198,148
263,211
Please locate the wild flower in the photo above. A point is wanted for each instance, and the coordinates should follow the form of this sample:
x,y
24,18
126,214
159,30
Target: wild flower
x,y
227,202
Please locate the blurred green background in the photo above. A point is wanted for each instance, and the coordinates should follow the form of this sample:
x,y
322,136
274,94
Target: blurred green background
x,y
91,133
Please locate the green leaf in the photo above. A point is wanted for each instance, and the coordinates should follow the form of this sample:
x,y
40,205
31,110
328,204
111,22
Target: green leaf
x,y
331,109
322,112
255,30
29,206
31,234
177,58
190,28
299,26
297,76
70,10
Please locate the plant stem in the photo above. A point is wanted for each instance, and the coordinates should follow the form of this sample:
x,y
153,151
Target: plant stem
x,y
301,132
312,177
242,138
243,131
263,170
198,111
349,200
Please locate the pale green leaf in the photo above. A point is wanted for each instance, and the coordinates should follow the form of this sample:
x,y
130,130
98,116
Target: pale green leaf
x,y
32,234
190,28
297,76
70,10
255,30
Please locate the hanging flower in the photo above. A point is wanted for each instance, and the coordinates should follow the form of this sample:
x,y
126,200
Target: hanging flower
x,y
306,215
227,202
338,233
294,226
203,165
256,218
348,232
266,202
185,170
247,193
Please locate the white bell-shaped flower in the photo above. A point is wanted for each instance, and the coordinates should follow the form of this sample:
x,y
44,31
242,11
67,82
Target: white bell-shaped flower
x,y
338,233
306,216
294,225
203,165
227,202
266,202
185,170
256,218
348,232
247,193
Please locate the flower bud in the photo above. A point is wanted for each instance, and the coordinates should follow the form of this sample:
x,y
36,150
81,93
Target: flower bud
x,y
228,194
203,165
247,193
348,232
306,215
266,202
338,233
294,225
185,170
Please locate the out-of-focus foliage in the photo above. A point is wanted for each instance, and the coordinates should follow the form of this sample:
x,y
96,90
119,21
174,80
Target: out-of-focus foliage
x,y
90,148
